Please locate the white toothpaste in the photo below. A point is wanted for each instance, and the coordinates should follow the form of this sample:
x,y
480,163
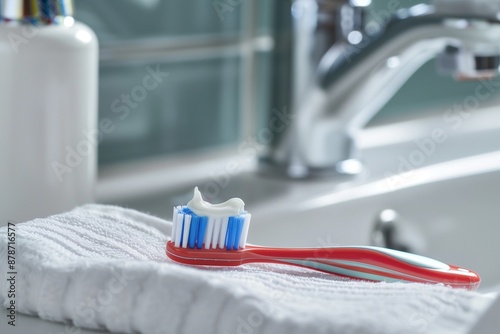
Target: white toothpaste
x,y
231,207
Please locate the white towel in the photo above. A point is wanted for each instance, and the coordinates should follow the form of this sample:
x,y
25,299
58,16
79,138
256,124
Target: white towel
x,y
104,267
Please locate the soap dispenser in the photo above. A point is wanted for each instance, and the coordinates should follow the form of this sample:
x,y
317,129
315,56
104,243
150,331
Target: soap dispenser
x,y
48,110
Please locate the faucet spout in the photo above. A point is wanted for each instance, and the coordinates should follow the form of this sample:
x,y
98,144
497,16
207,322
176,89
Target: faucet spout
x,y
356,77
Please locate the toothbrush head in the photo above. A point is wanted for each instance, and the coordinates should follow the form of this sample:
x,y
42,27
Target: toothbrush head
x,y
190,230
209,234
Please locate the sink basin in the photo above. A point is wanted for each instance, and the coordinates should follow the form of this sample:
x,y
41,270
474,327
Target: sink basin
x,y
452,210
448,201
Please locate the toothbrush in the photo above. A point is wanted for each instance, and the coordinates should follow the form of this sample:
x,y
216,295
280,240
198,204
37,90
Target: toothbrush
x,y
215,235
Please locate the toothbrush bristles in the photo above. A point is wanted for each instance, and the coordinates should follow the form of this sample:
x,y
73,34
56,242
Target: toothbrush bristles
x,y
192,231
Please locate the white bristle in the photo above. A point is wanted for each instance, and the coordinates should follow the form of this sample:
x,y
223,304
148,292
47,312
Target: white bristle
x,y
187,225
244,231
223,230
174,223
215,234
209,231
178,229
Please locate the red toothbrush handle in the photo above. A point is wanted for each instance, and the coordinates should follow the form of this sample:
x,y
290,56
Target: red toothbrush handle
x,y
368,263
359,262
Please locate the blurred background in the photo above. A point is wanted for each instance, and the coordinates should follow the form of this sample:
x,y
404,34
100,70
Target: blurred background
x,y
227,63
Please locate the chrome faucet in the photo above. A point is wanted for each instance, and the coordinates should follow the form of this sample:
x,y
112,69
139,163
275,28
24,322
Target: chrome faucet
x,y
345,69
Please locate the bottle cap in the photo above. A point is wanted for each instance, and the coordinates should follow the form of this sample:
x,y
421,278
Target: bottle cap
x,y
36,12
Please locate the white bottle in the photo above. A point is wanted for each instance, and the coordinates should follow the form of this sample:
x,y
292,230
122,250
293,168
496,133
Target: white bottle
x,y
48,110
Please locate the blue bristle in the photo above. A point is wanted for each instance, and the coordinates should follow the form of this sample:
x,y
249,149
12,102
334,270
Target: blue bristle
x,y
187,211
193,231
231,233
239,227
201,231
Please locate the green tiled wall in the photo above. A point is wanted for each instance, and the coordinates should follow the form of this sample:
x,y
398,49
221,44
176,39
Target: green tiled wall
x,y
199,105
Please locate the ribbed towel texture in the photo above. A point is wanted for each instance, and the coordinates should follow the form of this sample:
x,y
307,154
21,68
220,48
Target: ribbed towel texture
x,y
104,267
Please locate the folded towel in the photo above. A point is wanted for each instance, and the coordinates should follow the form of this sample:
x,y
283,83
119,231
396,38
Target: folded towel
x,y
104,267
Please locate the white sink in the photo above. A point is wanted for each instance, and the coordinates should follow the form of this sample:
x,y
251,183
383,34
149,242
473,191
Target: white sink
x,y
452,210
